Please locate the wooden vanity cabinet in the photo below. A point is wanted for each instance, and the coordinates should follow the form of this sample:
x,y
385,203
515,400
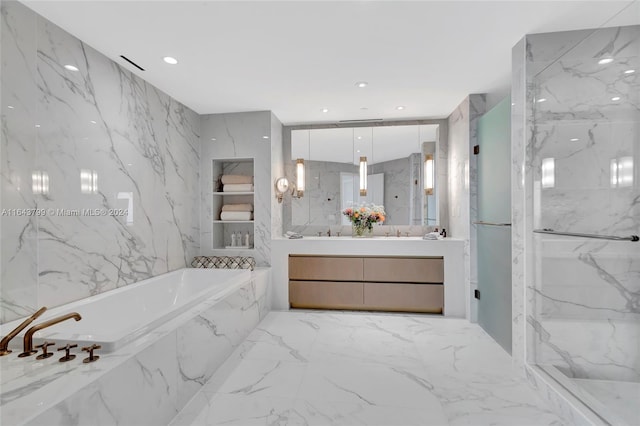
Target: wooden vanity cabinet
x,y
380,283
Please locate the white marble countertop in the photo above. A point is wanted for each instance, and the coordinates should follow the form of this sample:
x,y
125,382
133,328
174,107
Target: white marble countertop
x,y
374,238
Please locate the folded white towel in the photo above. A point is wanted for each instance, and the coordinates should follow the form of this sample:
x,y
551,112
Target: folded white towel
x,y
236,179
237,208
237,187
432,236
236,216
293,235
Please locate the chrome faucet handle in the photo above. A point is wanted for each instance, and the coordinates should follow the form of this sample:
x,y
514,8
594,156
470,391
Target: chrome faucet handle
x,y
45,352
67,356
91,357
338,233
406,234
386,234
319,233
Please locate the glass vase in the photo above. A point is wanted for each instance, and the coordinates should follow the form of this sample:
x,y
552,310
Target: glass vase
x,y
361,231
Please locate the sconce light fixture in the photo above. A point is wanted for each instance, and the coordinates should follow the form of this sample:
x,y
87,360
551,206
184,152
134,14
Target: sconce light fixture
x,y
40,182
363,176
621,172
429,176
88,181
282,185
300,177
548,178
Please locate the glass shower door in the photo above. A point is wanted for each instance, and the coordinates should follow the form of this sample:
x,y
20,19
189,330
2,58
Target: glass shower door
x,y
493,230
586,289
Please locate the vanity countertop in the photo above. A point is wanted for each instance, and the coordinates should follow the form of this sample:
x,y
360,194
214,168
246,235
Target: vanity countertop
x,y
374,238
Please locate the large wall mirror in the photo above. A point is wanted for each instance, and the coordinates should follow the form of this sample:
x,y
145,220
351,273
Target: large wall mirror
x,y
401,173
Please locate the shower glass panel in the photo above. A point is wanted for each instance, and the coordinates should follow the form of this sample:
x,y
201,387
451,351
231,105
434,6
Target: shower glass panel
x,y
585,158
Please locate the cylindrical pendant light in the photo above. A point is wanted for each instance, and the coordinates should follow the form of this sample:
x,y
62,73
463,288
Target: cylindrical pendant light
x,y
363,176
300,177
429,176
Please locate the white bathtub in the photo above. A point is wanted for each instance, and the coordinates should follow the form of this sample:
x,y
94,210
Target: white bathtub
x,y
115,318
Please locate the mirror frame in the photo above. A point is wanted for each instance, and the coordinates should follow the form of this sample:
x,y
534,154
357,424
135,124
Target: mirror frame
x,y
441,184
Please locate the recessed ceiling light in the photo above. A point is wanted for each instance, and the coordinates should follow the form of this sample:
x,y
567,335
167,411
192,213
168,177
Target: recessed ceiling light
x,y
37,125
364,108
629,71
129,164
213,139
574,139
605,61
615,98
541,100
10,106
325,109
359,137
362,84
93,122
71,68
265,137
170,60
400,107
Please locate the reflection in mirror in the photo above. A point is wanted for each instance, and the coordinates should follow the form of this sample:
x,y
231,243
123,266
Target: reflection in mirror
x,y
395,159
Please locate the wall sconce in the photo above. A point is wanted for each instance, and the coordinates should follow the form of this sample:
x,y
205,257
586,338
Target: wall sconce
x,y
429,176
40,182
621,172
282,185
548,178
88,181
300,177
363,176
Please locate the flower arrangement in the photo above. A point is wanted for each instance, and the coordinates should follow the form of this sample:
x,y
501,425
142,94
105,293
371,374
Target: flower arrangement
x,y
362,218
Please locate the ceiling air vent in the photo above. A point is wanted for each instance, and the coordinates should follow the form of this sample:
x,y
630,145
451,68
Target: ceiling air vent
x,y
132,63
368,120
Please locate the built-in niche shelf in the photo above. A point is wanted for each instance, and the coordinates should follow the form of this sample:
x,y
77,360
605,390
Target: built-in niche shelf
x,y
223,229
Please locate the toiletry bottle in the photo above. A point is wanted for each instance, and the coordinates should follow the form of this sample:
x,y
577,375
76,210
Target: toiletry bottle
x,y
246,239
444,233
233,239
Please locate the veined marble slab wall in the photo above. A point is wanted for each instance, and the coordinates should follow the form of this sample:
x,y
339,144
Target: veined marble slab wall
x,y
575,303
462,181
277,170
100,136
238,135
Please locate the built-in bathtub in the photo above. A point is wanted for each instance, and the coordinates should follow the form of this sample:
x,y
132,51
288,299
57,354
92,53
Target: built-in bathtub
x,y
115,318
185,325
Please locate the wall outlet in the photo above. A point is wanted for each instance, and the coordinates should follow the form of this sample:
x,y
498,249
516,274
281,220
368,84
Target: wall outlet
x,y
476,294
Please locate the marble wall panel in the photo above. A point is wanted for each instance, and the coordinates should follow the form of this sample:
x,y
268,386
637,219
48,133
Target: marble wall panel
x,y
229,136
574,303
18,234
463,185
105,120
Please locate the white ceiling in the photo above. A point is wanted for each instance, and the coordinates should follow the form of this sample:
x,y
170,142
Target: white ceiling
x,y
297,57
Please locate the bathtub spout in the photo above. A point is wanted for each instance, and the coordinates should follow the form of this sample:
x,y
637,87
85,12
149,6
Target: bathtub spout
x,y
28,337
4,343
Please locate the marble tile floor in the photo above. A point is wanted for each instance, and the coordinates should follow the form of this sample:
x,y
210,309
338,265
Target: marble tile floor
x,y
347,368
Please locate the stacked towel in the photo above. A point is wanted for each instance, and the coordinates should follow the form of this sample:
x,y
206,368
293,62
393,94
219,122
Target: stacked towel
x,y
293,235
237,187
237,208
236,179
235,215
432,236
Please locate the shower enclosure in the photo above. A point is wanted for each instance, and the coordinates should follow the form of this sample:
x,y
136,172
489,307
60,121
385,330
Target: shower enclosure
x,y
584,324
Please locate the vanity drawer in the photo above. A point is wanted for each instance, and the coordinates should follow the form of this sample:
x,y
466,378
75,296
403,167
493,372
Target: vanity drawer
x,y
325,268
404,297
323,294
404,270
